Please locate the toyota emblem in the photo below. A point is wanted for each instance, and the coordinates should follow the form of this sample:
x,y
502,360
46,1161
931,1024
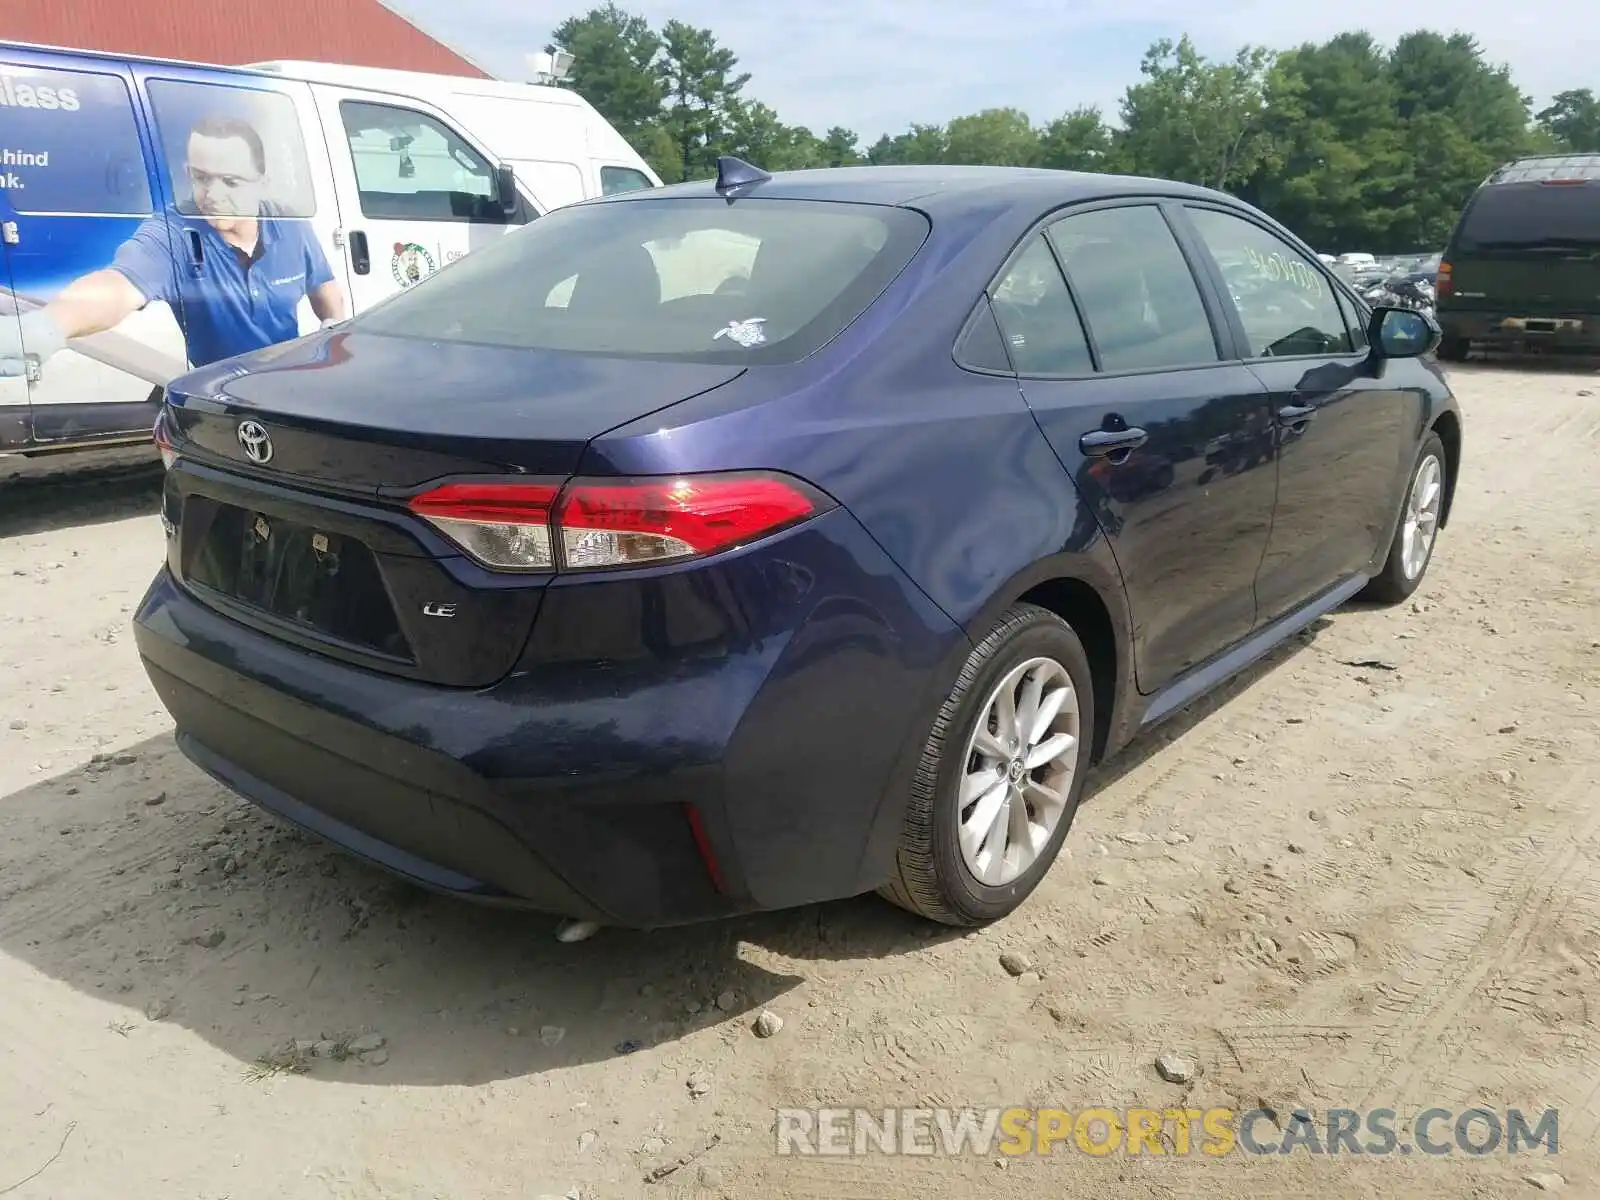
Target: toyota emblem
x,y
257,445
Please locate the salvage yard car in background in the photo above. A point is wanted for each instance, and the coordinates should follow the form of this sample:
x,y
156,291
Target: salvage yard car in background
x,y
827,568
1522,268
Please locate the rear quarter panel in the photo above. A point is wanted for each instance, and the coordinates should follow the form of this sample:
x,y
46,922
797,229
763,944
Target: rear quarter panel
x,y
945,469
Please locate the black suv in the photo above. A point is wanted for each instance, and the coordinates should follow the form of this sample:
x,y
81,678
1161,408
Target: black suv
x,y
1522,269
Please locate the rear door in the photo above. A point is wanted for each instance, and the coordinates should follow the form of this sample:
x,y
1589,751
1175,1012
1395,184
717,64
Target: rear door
x,y
228,146
75,159
1169,444
419,193
1345,433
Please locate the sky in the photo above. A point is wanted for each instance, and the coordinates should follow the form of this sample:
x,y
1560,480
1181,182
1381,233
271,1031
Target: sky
x,y
875,66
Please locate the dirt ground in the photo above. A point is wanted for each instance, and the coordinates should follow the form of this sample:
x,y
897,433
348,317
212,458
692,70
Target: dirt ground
x,y
1367,875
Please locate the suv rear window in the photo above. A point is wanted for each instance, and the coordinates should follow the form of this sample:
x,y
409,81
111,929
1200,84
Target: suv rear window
x,y
758,281
1531,217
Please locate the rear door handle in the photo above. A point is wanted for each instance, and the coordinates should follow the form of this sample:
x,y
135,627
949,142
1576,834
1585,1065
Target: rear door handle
x,y
1296,414
360,258
1103,442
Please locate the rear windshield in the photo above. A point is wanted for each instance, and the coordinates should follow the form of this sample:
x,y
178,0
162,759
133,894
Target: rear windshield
x,y
1532,217
756,281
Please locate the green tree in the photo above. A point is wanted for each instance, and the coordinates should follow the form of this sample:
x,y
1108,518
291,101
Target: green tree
x,y
842,147
1573,120
1077,141
996,136
702,95
919,144
616,68
756,135
1463,116
1196,120
1337,174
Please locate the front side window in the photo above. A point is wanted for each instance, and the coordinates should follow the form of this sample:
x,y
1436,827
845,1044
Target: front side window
x,y
1286,305
695,280
1139,299
412,167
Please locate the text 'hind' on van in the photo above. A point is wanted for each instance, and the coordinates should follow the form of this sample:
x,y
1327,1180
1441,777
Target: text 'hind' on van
x,y
159,216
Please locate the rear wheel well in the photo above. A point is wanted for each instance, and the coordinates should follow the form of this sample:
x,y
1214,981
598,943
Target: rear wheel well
x,y
1448,427
1080,606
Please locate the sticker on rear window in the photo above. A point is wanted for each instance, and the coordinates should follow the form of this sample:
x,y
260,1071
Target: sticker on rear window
x,y
746,333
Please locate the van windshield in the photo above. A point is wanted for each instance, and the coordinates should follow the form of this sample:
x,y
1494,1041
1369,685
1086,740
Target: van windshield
x,y
1532,217
757,281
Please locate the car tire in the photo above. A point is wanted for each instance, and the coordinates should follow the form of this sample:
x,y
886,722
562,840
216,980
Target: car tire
x,y
1420,513
1453,349
959,877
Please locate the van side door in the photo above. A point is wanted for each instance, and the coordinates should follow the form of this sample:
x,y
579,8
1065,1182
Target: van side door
x,y
251,209
16,430
419,194
79,184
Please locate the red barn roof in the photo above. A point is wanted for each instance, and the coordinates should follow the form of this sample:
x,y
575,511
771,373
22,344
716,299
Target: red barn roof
x,y
363,33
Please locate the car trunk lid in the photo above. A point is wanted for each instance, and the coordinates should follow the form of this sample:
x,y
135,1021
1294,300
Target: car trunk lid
x,y
353,412
305,535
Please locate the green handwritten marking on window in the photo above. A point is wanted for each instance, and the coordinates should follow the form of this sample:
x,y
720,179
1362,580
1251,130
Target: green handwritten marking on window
x,y
1281,268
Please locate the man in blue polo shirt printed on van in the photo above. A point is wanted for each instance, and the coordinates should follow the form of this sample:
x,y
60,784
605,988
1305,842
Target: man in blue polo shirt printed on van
x,y
253,270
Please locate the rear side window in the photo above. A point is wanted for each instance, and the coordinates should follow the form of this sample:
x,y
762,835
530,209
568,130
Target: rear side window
x,y
622,179
760,281
1037,317
1531,218
1138,297
69,145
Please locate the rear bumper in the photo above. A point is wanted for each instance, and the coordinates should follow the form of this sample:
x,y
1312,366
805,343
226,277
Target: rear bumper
x,y
1511,330
568,787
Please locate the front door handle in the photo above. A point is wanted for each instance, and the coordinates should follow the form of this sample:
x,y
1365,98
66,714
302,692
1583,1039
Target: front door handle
x,y
1296,414
360,257
1104,442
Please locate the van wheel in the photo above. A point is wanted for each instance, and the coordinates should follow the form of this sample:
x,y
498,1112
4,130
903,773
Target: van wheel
x,y
1453,349
1418,529
1000,776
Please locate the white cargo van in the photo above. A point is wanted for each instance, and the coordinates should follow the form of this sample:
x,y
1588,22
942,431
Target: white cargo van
x,y
159,215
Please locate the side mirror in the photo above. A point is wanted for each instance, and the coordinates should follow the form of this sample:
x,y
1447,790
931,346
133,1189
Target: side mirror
x,y
1402,333
505,186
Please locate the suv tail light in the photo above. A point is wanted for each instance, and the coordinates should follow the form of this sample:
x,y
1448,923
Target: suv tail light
x,y
1441,283
597,523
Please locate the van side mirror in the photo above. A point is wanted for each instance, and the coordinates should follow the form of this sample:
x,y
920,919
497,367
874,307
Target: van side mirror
x,y
1401,333
505,186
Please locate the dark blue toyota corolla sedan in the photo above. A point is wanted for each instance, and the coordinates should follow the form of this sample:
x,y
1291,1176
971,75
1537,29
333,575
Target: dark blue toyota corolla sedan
x,y
754,542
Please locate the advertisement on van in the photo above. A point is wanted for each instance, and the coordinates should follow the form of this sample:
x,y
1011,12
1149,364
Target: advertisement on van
x,y
134,252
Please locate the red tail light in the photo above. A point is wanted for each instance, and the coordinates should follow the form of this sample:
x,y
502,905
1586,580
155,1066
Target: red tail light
x,y
163,441
1441,283
503,525
598,523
